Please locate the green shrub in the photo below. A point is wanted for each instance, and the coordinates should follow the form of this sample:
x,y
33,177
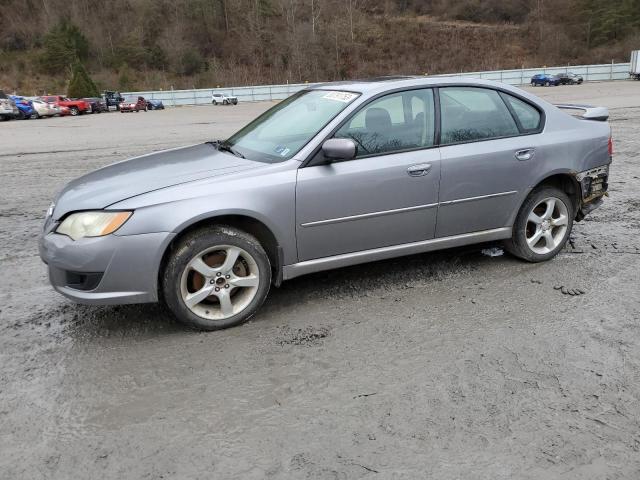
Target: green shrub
x,y
63,45
81,84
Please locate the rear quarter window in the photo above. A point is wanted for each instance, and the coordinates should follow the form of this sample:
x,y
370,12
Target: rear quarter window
x,y
527,114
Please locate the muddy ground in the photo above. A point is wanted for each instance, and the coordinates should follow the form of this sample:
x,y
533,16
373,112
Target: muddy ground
x,y
451,365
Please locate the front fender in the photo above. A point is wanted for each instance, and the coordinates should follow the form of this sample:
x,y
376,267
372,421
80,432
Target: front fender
x,y
268,198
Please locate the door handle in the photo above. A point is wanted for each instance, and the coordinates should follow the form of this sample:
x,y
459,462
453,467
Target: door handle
x,y
525,154
419,170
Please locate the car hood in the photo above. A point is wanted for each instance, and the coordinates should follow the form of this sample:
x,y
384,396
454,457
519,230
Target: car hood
x,y
146,173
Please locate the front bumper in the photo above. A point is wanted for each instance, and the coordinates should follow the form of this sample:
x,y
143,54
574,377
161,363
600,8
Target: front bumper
x,y
105,270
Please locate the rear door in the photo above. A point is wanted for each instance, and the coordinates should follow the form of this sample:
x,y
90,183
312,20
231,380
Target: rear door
x,y
387,195
488,141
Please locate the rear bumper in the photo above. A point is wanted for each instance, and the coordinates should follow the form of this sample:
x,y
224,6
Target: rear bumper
x,y
594,186
105,270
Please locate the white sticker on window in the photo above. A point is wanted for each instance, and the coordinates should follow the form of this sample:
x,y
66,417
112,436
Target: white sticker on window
x,y
345,97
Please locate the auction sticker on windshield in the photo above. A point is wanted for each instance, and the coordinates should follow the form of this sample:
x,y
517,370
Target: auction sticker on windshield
x,y
345,97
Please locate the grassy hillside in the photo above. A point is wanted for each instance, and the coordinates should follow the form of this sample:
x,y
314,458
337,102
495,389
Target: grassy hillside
x,y
152,44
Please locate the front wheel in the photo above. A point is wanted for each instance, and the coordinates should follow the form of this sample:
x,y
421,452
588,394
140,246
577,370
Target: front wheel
x,y
216,278
543,225
74,111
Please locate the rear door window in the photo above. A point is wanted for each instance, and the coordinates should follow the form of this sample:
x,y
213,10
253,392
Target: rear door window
x,y
472,114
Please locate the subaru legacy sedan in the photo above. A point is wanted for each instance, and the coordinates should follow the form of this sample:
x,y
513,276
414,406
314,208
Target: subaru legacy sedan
x,y
336,175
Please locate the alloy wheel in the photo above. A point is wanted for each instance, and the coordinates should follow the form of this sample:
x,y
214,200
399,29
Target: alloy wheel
x,y
547,225
219,282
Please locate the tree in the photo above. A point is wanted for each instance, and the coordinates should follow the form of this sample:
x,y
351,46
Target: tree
x,y
63,45
124,79
81,84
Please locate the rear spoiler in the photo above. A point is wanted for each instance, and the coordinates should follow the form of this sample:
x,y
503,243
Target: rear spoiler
x,y
590,113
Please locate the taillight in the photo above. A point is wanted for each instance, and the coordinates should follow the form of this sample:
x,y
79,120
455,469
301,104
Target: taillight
x,y
610,146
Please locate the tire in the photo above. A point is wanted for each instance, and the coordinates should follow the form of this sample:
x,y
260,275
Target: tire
x,y
74,111
225,102
533,220
533,84
213,244
214,102
546,84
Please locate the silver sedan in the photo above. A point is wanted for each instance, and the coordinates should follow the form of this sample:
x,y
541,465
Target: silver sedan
x,y
44,109
337,174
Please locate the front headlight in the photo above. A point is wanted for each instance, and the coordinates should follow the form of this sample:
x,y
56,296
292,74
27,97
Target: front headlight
x,y
92,224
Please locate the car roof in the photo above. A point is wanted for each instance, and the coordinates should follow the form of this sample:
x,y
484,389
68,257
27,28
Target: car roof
x,y
381,84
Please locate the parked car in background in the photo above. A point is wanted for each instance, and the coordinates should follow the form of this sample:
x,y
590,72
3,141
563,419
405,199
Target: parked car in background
x,y
112,99
8,109
76,107
155,105
25,107
133,104
64,111
44,109
335,175
545,80
98,104
570,78
223,99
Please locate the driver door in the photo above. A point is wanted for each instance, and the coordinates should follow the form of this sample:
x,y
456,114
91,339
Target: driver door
x,y
387,195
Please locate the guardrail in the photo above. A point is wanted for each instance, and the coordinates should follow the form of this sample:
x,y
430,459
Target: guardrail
x,y
590,73
202,96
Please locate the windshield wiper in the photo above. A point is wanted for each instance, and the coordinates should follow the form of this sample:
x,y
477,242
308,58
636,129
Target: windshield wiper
x,y
224,147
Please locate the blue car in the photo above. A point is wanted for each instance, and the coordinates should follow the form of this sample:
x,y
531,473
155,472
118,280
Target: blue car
x,y
544,79
25,107
155,105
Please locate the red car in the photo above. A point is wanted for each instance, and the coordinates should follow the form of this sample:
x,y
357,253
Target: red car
x,y
133,105
76,107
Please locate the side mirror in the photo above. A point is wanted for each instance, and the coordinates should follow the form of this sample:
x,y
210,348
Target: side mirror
x,y
336,149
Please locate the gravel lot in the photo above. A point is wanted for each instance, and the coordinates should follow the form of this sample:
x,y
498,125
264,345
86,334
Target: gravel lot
x,y
451,365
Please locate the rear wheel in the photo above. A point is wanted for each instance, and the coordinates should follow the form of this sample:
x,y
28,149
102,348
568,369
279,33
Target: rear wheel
x,y
216,278
546,84
543,225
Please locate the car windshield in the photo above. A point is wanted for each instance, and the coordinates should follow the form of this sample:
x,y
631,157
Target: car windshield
x,y
282,131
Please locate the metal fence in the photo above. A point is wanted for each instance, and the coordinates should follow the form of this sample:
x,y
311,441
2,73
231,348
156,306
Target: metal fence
x,y
202,96
590,73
